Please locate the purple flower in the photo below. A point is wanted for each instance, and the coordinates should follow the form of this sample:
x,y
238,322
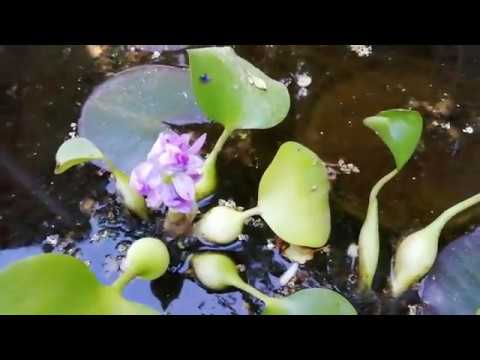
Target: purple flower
x,y
169,174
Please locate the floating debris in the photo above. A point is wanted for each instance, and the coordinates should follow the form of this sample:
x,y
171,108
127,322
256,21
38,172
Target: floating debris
x,y
243,237
468,130
52,240
289,274
341,168
230,203
87,206
304,80
270,244
95,51
241,268
445,125
303,92
352,251
362,50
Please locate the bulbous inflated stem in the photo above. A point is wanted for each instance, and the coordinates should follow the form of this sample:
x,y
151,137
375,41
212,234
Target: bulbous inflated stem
x,y
147,258
207,185
369,239
417,253
215,271
218,272
414,258
131,198
222,225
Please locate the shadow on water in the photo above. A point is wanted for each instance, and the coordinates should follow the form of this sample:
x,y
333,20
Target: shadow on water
x,y
42,89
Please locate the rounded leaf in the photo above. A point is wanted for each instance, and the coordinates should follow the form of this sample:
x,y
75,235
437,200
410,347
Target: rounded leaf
x,y
233,92
311,302
293,196
400,130
74,152
125,115
453,285
53,284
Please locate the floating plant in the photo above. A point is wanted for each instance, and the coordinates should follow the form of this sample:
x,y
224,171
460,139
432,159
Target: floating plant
x,y
218,272
79,150
401,131
293,198
417,252
54,284
125,114
169,174
234,93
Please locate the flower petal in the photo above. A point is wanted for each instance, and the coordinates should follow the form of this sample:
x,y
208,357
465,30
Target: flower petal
x,y
184,186
184,206
154,199
139,175
197,145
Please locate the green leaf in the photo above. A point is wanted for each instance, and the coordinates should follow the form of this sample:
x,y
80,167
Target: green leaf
x,y
400,130
53,284
293,196
74,152
233,92
310,302
125,115
79,150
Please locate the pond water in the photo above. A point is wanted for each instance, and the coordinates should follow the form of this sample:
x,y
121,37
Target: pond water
x,y
42,90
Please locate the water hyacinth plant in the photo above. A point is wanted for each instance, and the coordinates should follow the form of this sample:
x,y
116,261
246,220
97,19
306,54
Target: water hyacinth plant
x,y
234,93
132,126
401,131
79,150
53,284
170,173
417,252
218,272
295,204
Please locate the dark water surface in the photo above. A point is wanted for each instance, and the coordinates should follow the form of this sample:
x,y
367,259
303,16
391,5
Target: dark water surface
x,y
42,89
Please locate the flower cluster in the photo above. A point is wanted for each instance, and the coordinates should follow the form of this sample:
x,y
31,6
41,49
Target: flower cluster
x,y
169,174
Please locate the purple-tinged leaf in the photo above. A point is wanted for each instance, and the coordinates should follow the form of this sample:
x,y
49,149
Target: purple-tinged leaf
x,y
124,116
453,285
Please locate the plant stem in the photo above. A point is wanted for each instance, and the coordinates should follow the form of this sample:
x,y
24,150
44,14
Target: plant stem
x,y
369,239
208,183
133,200
220,142
447,215
242,285
123,280
417,252
252,212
